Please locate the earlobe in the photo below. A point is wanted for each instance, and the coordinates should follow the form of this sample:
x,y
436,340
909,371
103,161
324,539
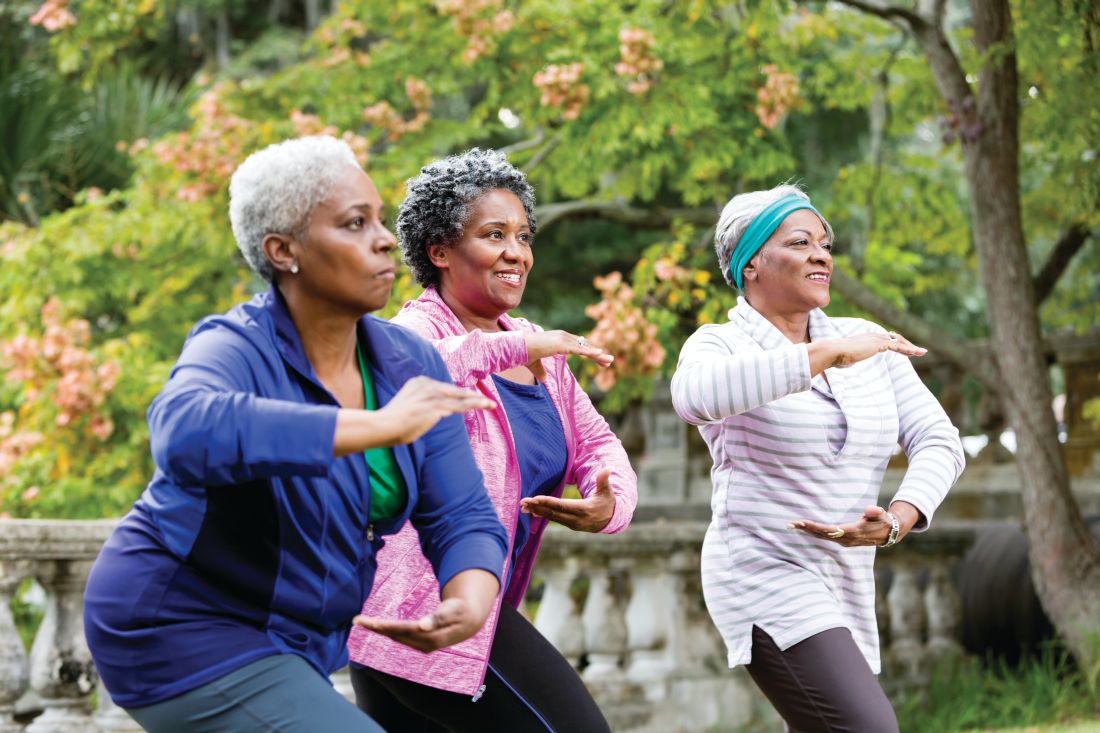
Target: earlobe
x,y
437,253
279,250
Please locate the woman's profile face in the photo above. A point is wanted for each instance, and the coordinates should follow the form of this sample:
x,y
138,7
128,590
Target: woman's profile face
x,y
793,269
345,258
486,269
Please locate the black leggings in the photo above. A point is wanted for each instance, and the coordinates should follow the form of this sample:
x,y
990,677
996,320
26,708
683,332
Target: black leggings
x,y
529,686
821,684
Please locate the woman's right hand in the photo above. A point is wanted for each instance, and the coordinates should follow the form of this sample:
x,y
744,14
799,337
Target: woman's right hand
x,y
542,344
847,351
413,411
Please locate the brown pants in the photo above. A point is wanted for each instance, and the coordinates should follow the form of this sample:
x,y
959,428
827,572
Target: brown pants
x,y
821,684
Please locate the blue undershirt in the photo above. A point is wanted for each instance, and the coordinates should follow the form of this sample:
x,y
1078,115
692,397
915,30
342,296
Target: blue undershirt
x,y
540,447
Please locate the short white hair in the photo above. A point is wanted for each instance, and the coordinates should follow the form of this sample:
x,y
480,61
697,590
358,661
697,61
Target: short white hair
x,y
275,189
739,213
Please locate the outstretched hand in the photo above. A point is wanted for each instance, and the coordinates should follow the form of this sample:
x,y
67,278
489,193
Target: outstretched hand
x,y
466,602
542,344
590,514
871,529
451,623
422,402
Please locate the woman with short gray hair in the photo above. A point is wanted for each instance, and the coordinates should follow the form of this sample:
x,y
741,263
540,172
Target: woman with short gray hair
x,y
293,433
467,227
802,413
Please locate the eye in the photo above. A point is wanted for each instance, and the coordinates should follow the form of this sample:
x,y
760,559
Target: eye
x,y
356,223
827,246
496,234
526,237
799,243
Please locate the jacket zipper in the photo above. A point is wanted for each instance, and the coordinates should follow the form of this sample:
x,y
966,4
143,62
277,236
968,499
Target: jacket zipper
x,y
508,561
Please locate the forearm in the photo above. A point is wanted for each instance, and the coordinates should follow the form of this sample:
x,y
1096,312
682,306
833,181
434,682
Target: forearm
x,y
907,514
709,387
823,354
477,588
473,356
358,430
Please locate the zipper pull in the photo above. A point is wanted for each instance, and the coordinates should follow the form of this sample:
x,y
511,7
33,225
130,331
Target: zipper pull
x,y
370,532
478,694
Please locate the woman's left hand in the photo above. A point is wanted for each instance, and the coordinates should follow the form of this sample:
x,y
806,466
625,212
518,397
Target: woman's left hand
x,y
466,602
871,529
590,514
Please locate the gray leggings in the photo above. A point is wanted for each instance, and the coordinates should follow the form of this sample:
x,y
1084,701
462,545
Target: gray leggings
x,y
821,684
280,693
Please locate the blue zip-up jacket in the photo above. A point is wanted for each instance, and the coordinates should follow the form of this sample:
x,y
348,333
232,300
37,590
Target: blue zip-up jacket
x,y
251,539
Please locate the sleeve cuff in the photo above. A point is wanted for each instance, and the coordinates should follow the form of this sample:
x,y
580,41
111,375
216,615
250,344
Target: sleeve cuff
x,y
476,551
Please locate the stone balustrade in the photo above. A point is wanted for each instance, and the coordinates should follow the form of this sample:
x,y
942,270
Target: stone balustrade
x,y
626,610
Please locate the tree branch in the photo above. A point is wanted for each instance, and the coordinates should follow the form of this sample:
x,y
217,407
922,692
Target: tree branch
x,y
928,31
623,213
534,142
918,330
885,11
1060,257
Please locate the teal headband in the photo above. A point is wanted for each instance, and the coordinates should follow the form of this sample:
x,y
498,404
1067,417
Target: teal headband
x,y
762,227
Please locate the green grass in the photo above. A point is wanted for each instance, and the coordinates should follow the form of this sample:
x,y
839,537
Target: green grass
x,y
1045,694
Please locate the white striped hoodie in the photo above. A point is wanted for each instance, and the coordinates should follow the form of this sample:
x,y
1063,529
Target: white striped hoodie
x,y
789,447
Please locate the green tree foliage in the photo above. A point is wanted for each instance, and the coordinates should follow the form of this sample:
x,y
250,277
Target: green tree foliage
x,y
636,122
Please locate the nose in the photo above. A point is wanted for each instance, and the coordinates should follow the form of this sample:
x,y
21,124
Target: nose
x,y
385,241
821,255
513,250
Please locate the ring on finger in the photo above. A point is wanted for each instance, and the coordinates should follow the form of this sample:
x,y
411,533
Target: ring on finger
x,y
836,534
580,341
893,335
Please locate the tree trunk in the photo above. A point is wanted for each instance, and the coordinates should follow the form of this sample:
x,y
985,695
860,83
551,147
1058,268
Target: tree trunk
x,y
1065,561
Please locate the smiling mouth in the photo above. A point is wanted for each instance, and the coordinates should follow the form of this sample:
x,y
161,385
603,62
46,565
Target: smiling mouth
x,y
512,278
818,277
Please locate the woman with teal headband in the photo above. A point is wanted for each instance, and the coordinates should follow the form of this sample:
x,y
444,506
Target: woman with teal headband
x,y
802,412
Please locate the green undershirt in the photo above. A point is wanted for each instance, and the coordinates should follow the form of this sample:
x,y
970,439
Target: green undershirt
x,y
387,488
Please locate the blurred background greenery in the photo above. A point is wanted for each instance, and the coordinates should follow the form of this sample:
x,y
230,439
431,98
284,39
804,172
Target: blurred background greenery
x,y
121,121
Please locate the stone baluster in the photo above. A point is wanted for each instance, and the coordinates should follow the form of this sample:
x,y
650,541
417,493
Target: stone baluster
x,y
557,618
941,604
906,606
61,669
656,619
13,657
604,627
110,718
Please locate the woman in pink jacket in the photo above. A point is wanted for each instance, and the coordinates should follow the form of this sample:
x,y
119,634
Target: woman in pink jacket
x,y
466,229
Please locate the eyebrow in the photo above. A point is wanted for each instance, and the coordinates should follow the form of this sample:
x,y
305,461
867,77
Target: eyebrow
x,y
364,206
524,225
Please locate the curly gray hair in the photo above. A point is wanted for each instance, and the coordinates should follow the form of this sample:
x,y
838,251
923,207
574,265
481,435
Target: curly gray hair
x,y
739,213
275,189
437,205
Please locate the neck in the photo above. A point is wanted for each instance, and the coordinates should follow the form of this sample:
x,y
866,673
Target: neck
x,y
327,333
795,325
470,318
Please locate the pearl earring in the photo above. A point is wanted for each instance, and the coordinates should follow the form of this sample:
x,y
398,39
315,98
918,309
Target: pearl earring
x,y
294,268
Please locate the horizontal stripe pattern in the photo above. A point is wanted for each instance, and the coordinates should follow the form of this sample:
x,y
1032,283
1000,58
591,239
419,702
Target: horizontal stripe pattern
x,y
787,446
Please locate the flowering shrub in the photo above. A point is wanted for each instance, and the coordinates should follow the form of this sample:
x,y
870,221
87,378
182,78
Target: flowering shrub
x,y
777,97
54,15
559,88
637,63
478,21
643,322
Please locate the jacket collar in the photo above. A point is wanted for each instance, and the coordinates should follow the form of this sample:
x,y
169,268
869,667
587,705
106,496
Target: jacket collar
x,y
764,333
388,359
431,303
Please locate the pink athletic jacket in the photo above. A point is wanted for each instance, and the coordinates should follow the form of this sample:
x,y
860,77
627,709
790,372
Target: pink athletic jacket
x,y
404,586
